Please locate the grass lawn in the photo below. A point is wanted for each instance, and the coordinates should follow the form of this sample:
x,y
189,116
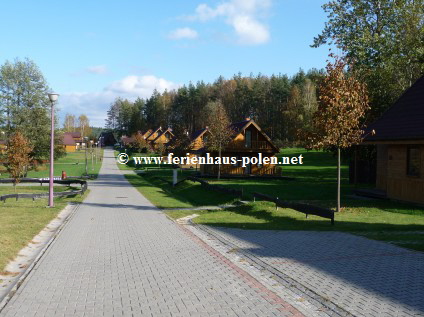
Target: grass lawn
x,y
186,194
23,219
130,164
315,183
73,164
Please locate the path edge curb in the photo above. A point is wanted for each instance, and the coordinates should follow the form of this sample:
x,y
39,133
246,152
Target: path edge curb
x,y
333,308
17,284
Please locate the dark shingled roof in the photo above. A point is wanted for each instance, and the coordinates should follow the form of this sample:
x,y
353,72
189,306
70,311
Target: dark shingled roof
x,y
68,139
74,134
197,133
404,120
238,126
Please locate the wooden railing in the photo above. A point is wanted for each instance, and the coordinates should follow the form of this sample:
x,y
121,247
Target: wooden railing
x,y
233,170
254,145
225,169
301,207
41,181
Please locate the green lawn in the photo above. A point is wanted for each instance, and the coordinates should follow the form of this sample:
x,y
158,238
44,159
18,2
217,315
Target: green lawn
x,y
130,164
23,219
186,194
315,183
73,164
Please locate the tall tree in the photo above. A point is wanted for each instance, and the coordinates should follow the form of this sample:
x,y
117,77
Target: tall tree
x,y
342,103
384,39
24,104
69,123
18,156
84,125
219,128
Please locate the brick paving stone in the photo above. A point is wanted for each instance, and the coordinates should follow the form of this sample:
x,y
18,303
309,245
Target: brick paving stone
x,y
121,256
364,277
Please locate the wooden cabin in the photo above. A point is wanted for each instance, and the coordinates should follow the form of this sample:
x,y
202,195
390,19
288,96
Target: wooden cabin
x,y
154,134
399,136
196,147
69,142
248,140
162,138
76,136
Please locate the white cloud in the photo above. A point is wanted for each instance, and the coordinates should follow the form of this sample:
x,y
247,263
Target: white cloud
x,y
99,69
140,86
96,104
183,33
243,15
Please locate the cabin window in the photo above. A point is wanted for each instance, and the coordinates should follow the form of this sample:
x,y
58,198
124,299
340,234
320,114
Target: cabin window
x,y
413,161
248,139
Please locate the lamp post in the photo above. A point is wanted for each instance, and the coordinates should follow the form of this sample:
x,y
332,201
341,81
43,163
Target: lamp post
x,y
86,160
53,98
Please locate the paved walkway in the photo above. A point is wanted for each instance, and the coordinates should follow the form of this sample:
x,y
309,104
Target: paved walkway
x,y
361,276
121,256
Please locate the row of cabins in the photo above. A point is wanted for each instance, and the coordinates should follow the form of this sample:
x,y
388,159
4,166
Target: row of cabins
x,y
154,138
248,140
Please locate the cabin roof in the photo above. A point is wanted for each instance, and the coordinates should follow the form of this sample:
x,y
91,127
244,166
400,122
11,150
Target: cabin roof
x,y
76,135
239,127
198,133
404,120
68,139
153,132
160,134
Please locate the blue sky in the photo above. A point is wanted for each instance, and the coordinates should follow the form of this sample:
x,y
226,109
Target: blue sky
x,y
94,51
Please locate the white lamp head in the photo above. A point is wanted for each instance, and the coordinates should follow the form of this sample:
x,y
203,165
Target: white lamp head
x,y
53,96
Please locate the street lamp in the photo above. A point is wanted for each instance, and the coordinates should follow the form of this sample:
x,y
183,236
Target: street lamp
x,y
53,98
86,162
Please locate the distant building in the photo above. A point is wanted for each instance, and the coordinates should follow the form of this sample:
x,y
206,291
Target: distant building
x,y
69,142
248,140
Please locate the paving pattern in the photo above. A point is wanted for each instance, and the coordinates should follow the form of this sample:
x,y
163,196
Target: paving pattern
x,y
362,276
121,256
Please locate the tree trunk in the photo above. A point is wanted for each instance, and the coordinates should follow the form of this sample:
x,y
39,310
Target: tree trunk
x,y
219,165
338,179
355,179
